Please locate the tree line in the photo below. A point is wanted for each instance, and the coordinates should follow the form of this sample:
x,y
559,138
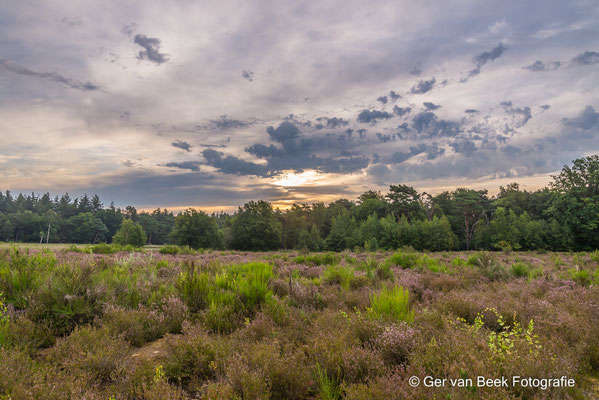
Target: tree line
x,y
563,216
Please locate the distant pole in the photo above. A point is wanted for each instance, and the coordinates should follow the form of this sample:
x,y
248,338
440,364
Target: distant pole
x,y
48,235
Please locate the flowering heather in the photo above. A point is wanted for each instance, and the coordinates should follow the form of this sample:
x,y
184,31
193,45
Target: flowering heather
x,y
261,325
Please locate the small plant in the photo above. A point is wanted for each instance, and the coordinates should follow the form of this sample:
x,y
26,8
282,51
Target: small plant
x,y
391,304
159,375
580,276
457,262
502,343
403,259
170,249
339,274
4,320
520,269
595,256
328,386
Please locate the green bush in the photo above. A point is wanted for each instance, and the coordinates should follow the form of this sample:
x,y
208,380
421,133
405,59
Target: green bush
x,y
170,249
103,248
392,305
337,274
520,269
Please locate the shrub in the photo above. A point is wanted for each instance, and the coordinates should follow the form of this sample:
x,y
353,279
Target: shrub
x,y
103,248
104,356
403,259
580,276
392,304
520,269
170,249
338,274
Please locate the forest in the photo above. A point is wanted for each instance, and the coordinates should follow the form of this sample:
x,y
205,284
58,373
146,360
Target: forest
x,y
563,216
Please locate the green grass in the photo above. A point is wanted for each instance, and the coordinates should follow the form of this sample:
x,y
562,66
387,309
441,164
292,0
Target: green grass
x,y
392,305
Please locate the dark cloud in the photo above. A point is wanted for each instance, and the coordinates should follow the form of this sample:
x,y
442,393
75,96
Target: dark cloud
x,y
386,138
401,111
586,58
484,58
190,165
430,106
423,86
333,122
225,123
129,29
586,120
428,124
544,107
432,151
182,145
520,115
232,165
582,59
51,76
463,146
416,70
249,75
471,111
539,66
394,96
372,116
152,49
297,152
284,132
382,99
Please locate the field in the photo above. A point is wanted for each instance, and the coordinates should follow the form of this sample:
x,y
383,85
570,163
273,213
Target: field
x,y
292,325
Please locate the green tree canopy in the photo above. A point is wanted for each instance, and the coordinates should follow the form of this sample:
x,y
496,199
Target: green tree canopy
x,y
195,229
256,227
130,233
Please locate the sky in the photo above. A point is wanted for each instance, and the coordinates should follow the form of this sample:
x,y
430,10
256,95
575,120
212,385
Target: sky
x,y
210,104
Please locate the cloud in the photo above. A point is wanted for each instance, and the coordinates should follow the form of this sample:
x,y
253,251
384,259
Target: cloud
x,y
484,58
372,116
51,76
539,66
586,120
284,132
423,86
432,151
521,115
382,99
152,49
190,165
182,145
232,165
582,59
401,111
394,96
463,146
416,70
471,111
430,106
225,123
428,124
586,58
333,122
249,75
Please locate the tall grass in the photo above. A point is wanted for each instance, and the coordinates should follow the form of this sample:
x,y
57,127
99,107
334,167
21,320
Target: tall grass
x,y
391,305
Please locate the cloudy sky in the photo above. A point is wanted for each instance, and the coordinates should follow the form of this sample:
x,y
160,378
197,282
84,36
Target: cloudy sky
x,y
212,103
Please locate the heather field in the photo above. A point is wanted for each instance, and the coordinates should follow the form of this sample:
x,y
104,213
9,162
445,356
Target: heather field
x,y
108,322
